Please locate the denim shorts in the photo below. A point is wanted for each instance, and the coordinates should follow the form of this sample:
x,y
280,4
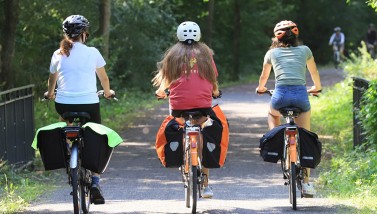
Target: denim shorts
x,y
290,95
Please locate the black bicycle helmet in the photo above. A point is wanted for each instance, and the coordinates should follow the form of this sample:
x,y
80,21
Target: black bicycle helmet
x,y
74,25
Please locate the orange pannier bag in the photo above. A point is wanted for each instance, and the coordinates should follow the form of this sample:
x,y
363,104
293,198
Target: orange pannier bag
x,y
169,143
215,139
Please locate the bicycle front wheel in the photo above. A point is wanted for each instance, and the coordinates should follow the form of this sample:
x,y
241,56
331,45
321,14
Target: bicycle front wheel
x,y
292,186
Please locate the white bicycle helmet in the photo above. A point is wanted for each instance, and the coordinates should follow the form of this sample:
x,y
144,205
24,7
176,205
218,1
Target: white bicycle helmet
x,y
74,25
337,29
188,32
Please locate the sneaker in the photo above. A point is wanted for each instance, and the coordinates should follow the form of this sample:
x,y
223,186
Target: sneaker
x,y
207,192
96,195
308,190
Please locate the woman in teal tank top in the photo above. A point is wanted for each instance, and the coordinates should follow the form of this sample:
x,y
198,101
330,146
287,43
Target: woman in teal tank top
x,y
289,59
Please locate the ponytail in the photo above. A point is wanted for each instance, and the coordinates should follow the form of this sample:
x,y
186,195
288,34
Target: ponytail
x,y
66,46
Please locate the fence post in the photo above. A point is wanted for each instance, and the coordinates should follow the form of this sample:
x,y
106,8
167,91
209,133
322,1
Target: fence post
x,y
360,85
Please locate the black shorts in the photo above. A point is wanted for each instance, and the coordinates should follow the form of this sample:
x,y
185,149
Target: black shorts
x,y
92,109
204,111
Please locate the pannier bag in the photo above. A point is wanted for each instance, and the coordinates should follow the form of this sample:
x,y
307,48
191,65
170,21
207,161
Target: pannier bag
x,y
99,145
310,148
96,153
272,146
169,143
215,139
52,146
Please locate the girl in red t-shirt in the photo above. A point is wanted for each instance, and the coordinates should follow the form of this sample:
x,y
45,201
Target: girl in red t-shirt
x,y
190,74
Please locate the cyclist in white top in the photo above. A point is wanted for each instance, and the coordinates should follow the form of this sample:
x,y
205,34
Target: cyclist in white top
x,y
337,41
74,67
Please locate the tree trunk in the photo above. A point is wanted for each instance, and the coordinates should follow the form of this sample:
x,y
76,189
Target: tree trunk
x,y
236,40
11,10
104,28
209,27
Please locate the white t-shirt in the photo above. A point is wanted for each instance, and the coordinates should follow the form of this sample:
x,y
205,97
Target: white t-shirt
x,y
77,83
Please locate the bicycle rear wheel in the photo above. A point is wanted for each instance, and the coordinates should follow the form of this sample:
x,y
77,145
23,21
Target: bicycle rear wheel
x,y
193,188
75,190
292,186
85,182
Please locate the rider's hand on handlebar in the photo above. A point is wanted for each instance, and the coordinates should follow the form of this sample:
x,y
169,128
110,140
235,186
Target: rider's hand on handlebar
x,y
260,90
314,91
109,94
48,96
216,94
160,94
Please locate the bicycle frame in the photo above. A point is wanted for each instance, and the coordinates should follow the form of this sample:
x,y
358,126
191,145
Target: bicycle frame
x,y
79,178
291,157
192,169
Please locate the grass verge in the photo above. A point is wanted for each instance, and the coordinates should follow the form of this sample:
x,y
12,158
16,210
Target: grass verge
x,y
346,173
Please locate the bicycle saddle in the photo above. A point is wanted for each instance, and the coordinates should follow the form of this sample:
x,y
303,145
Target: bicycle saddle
x,y
192,115
290,111
70,116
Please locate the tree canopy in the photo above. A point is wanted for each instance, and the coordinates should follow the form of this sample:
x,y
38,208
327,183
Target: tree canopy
x,y
139,32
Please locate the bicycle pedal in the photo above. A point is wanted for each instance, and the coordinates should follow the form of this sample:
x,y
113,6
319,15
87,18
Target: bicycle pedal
x,y
286,183
71,193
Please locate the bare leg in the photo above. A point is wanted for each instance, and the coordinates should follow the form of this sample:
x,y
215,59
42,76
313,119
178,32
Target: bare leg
x,y
206,172
303,120
273,118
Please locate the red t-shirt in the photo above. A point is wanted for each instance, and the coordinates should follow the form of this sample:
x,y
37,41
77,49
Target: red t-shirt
x,y
193,91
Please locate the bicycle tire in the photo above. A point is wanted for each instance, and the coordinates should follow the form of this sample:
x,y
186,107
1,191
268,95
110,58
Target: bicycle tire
x,y
75,190
85,190
194,188
292,186
187,192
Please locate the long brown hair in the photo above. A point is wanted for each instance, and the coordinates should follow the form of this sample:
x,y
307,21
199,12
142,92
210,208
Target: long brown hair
x,y
67,43
285,42
176,62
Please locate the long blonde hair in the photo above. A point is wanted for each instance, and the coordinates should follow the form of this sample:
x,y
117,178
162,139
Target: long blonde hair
x,y
176,61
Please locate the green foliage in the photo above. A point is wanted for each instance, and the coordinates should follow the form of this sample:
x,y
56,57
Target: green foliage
x,y
19,187
141,31
368,114
347,172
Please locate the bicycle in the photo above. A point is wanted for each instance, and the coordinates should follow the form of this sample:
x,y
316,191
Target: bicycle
x,y
79,177
336,54
290,161
192,173
372,49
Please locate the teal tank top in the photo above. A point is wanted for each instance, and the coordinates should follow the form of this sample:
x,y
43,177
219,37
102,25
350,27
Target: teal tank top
x,y
289,64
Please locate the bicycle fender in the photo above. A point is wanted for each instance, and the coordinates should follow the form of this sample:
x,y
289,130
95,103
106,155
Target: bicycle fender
x,y
74,156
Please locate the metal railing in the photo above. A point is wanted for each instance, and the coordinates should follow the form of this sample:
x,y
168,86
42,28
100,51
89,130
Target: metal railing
x,y
360,85
17,125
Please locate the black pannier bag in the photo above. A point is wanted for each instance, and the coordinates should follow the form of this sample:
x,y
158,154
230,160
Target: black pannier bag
x,y
310,148
272,144
211,143
96,152
174,146
53,148
169,143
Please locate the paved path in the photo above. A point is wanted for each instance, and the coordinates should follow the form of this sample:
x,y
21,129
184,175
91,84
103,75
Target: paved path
x,y
135,181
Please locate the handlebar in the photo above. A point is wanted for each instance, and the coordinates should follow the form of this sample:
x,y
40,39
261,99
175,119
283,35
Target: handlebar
x,y
167,93
270,92
100,93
